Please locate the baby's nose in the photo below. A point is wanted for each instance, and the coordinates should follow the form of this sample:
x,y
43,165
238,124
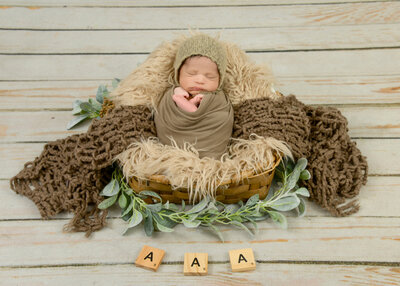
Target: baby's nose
x,y
200,78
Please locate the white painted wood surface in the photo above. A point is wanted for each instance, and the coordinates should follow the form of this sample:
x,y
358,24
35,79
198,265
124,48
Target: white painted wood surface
x,y
339,53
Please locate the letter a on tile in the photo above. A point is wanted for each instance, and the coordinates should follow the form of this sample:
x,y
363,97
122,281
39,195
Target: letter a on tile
x,y
242,260
150,258
195,264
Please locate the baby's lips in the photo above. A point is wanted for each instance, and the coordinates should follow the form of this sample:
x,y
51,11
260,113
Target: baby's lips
x,y
195,88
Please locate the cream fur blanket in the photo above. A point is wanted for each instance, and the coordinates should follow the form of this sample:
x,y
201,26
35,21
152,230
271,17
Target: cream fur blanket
x,y
147,84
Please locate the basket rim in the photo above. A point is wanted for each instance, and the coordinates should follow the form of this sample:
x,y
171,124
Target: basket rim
x,y
162,179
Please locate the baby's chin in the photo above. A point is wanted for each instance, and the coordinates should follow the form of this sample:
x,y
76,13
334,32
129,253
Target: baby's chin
x,y
196,92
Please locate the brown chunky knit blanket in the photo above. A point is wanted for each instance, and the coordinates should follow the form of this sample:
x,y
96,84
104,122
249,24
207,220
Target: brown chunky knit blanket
x,y
71,172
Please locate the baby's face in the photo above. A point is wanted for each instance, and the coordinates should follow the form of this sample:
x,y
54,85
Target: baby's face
x,y
198,74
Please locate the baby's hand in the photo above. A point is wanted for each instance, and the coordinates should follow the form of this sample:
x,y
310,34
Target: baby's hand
x,y
197,99
179,91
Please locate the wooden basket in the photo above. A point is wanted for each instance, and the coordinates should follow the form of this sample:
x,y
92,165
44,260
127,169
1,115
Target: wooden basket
x,y
228,192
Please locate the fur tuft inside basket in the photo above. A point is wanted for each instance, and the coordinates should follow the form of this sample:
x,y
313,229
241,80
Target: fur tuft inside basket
x,y
228,192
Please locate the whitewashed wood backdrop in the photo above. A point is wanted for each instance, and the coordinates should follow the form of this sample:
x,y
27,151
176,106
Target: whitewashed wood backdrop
x,y
339,53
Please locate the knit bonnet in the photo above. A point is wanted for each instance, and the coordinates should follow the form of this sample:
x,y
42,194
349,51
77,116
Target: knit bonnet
x,y
201,45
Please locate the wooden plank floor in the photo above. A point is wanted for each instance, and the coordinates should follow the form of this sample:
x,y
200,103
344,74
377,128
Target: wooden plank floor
x,y
344,54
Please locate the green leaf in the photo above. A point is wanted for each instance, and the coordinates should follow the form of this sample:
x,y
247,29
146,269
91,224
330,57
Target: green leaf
x,y
192,217
95,104
258,218
286,203
209,212
127,216
122,201
301,209
165,221
166,205
148,223
302,192
110,189
183,206
163,228
252,200
128,191
76,109
216,231
278,218
197,208
115,82
231,208
144,194
108,202
136,218
293,178
77,120
305,175
87,107
191,224
128,209
220,206
255,231
100,93
172,207
211,207
290,165
154,207
237,218
301,164
242,226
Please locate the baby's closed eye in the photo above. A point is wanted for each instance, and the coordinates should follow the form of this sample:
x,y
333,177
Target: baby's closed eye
x,y
211,76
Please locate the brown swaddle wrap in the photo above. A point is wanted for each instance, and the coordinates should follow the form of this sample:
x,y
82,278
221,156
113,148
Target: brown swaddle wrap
x,y
209,128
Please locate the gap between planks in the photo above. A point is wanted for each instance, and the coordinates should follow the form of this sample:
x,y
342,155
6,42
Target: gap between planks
x,y
247,51
173,3
344,105
309,262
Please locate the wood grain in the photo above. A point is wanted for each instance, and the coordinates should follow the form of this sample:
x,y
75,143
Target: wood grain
x,y
306,239
257,39
205,17
154,3
219,274
295,64
59,95
365,122
344,54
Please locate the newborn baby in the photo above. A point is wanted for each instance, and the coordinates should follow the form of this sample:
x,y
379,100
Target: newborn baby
x,y
194,109
197,74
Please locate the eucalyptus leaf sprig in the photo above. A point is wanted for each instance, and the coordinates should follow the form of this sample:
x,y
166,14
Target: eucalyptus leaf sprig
x,y
90,109
285,194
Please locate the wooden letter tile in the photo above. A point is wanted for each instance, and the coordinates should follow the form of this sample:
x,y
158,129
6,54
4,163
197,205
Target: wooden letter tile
x,y
150,258
195,264
242,259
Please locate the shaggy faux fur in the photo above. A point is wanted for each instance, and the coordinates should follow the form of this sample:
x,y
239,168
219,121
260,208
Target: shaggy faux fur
x,y
184,169
341,169
71,172
147,83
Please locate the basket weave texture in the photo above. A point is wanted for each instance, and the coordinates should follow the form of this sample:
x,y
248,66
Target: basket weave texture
x,y
228,192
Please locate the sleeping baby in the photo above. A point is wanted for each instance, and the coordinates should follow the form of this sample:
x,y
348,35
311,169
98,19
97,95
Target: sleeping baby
x,y
194,109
